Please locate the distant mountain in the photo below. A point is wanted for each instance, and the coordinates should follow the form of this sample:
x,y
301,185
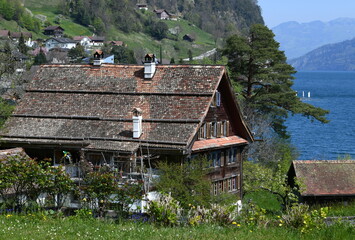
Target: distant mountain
x,y
297,39
331,57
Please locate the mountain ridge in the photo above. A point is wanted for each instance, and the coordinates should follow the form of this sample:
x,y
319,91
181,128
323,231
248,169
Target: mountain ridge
x,y
330,57
297,39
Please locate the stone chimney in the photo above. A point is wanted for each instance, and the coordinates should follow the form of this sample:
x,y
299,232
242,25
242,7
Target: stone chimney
x,y
149,66
137,122
98,58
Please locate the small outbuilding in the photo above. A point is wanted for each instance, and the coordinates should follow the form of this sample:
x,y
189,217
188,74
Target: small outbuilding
x,y
324,180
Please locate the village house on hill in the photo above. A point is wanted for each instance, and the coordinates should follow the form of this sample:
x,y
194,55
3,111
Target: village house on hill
x,y
131,116
162,14
55,31
66,43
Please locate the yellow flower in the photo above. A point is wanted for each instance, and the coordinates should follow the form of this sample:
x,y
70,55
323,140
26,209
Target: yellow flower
x,y
234,223
280,224
250,231
8,215
238,225
84,199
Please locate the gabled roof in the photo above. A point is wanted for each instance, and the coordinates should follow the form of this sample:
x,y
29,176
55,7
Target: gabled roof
x,y
62,40
49,28
160,11
326,177
18,34
97,38
87,104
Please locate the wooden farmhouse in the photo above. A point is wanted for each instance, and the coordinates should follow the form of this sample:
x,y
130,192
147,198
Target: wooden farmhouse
x,y
56,31
324,180
162,14
131,116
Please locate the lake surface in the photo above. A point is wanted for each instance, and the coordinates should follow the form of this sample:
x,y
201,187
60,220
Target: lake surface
x,y
334,91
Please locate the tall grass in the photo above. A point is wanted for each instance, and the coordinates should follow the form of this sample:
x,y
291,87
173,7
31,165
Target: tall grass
x,y
44,227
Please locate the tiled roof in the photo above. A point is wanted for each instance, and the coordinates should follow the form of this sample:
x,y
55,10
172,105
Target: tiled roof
x,y
326,177
79,38
63,40
86,104
218,143
4,33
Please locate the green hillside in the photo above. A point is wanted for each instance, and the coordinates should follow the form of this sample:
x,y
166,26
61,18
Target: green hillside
x,y
173,46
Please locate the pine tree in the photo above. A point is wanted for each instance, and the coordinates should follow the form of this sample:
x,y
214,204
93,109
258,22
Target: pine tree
x,y
264,79
40,58
21,45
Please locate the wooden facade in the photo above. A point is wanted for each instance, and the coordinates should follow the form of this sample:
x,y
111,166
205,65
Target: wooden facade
x,y
86,110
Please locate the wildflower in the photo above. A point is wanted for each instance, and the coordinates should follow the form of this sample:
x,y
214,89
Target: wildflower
x,y
250,231
234,223
8,215
280,224
101,201
238,225
84,199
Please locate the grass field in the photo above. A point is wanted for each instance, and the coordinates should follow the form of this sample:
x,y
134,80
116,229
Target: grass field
x,y
28,227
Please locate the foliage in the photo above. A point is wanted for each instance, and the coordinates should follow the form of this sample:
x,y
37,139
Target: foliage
x,y
13,10
29,227
215,17
158,30
260,68
40,58
165,211
252,215
299,216
5,111
260,177
77,53
187,181
123,55
7,60
60,185
21,45
216,214
22,180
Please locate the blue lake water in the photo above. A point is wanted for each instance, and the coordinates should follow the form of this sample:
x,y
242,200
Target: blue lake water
x,y
334,91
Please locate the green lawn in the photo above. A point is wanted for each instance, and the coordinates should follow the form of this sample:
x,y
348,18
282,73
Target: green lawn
x,y
28,227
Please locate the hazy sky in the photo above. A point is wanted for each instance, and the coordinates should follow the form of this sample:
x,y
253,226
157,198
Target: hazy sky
x,y
278,11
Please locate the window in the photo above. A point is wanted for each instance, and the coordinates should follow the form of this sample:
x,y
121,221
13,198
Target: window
x,y
234,183
232,155
218,99
215,158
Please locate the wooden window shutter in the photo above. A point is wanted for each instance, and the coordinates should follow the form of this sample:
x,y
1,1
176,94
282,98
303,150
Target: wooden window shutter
x,y
227,128
208,126
219,132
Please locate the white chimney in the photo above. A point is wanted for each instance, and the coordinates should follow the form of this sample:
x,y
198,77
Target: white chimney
x,y
149,66
137,122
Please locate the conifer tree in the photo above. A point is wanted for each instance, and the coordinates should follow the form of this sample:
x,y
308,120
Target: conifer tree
x,y
264,79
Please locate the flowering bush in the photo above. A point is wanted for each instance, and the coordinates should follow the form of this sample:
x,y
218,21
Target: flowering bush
x,y
299,216
166,211
217,214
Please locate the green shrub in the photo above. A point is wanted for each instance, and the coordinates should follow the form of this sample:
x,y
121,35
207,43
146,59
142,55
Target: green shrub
x,y
166,211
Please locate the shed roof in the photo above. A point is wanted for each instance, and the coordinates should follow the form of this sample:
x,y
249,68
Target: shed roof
x,y
88,104
326,177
